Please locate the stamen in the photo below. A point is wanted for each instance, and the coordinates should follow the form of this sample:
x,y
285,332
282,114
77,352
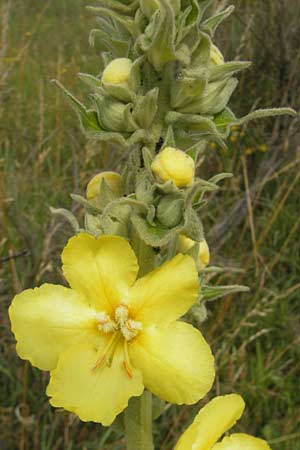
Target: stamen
x,y
126,363
105,323
111,347
121,314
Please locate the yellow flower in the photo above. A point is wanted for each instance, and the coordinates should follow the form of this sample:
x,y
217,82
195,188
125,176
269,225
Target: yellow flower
x,y
185,244
217,417
110,335
216,56
117,71
113,179
175,165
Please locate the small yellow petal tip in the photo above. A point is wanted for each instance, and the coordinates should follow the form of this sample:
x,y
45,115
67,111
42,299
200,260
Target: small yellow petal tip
x,y
113,179
174,165
216,57
117,71
185,244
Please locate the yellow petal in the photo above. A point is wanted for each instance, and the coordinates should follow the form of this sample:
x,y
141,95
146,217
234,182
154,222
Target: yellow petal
x,y
113,179
102,269
97,395
176,362
167,293
218,416
117,71
47,320
241,442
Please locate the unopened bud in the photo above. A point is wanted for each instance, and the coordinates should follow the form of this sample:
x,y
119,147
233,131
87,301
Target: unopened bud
x,y
174,165
170,210
117,71
185,244
113,180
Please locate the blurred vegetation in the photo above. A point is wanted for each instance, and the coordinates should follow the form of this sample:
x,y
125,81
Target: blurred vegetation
x,y
252,223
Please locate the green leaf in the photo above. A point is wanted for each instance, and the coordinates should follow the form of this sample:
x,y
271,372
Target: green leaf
x,y
89,118
210,293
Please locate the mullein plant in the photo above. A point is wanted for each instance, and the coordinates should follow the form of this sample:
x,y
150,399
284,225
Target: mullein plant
x,y
112,341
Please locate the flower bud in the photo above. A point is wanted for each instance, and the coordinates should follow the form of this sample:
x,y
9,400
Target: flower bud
x,y
216,56
117,71
113,180
185,244
170,210
174,165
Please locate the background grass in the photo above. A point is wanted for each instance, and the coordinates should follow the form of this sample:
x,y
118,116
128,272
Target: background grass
x,y
252,223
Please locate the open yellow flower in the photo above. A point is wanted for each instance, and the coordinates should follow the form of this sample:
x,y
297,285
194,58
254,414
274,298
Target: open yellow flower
x,y
110,335
217,417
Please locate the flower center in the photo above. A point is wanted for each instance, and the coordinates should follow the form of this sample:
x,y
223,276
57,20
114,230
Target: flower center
x,y
121,326
121,321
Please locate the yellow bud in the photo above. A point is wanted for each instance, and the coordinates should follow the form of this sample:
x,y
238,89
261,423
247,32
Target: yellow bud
x,y
216,56
185,244
175,165
117,71
113,179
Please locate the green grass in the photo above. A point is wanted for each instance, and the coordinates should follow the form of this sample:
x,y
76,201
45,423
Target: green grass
x,y
43,157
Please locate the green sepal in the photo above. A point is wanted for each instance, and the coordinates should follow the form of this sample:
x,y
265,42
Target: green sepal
x,y
198,313
210,293
115,221
92,224
197,149
170,210
118,47
145,108
144,186
144,253
134,80
90,207
68,215
125,22
117,6
114,115
227,70
194,128
185,89
158,39
220,177
90,80
201,54
210,25
213,100
169,140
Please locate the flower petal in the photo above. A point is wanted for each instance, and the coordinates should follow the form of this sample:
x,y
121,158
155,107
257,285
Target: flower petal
x,y
167,293
241,442
176,362
97,395
212,421
103,269
47,320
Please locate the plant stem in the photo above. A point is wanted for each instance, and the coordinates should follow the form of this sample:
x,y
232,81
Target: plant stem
x,y
138,423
